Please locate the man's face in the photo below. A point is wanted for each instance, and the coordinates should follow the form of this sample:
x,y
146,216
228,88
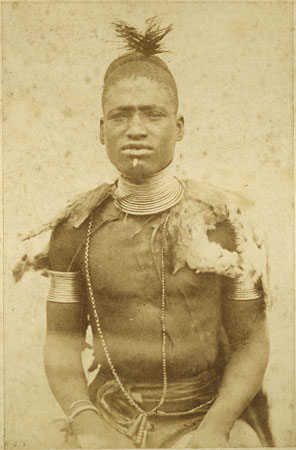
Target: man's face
x,y
140,127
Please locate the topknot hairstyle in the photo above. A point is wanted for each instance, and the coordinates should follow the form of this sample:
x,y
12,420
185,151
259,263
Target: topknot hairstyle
x,y
147,43
140,58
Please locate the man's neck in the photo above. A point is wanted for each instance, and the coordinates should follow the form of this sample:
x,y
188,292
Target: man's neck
x,y
156,194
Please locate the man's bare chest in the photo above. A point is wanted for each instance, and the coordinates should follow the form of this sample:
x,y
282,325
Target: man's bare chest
x,y
124,259
126,262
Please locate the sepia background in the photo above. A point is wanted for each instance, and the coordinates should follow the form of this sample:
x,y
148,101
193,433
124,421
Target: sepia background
x,y
234,69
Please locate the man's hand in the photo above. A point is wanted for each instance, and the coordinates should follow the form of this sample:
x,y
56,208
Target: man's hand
x,y
110,441
203,438
93,432
90,441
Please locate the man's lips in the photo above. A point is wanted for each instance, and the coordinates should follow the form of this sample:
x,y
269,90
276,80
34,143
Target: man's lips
x,y
136,146
140,152
137,149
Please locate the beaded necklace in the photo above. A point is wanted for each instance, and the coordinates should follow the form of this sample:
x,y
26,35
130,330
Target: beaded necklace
x,y
143,415
158,193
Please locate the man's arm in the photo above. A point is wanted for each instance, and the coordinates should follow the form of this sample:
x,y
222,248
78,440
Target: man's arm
x,y
246,327
62,353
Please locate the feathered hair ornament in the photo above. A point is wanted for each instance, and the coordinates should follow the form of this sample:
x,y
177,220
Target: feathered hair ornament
x,y
147,43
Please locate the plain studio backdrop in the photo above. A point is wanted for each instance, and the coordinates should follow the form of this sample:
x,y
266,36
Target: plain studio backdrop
x,y
233,66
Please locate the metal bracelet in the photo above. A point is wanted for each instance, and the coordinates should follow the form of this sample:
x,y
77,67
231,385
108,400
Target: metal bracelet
x,y
77,402
65,287
240,290
80,409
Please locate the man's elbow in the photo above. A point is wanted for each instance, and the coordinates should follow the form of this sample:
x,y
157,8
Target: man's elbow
x,y
61,352
258,347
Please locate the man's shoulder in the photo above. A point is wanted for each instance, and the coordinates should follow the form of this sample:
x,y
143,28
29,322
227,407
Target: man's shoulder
x,y
215,209
70,227
216,197
68,230
77,211
84,204
216,230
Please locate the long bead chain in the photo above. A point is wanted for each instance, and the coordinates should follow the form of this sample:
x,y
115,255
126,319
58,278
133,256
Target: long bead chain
x,y
162,318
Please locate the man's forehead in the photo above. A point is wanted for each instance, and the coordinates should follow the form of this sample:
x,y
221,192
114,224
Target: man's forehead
x,y
138,92
138,83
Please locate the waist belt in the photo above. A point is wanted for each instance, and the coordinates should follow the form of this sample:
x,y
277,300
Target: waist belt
x,y
188,396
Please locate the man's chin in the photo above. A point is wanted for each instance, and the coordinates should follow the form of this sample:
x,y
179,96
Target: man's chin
x,y
139,172
139,169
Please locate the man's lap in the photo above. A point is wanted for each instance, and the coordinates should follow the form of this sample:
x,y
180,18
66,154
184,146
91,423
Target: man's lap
x,y
242,435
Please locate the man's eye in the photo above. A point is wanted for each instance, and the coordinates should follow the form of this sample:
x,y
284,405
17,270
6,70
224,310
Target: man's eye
x,y
120,116
154,114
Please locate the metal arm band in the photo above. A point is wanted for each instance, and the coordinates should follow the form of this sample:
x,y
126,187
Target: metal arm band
x,y
240,290
65,287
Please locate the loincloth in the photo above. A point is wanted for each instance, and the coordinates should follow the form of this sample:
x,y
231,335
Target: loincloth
x,y
174,426
186,403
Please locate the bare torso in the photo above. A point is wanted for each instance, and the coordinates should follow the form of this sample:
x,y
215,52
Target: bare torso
x,y
125,273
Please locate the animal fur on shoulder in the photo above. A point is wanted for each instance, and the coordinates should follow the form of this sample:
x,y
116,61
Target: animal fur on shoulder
x,y
203,207
73,215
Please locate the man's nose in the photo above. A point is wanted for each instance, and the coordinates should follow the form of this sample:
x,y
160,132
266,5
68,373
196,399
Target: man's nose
x,y
136,127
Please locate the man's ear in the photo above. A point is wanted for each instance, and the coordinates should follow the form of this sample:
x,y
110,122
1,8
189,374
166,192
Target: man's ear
x,y
180,127
102,131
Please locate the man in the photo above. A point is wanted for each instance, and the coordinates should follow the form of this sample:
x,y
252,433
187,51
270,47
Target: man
x,y
169,274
